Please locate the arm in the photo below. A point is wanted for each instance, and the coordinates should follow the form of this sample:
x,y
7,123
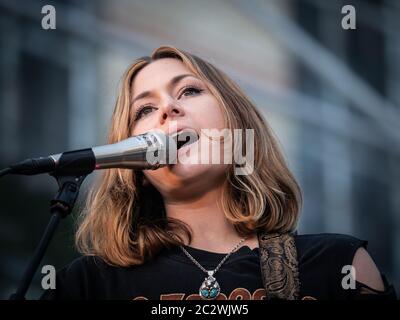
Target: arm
x,y
366,270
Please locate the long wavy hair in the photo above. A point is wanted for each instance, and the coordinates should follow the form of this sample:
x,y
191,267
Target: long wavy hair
x,y
124,220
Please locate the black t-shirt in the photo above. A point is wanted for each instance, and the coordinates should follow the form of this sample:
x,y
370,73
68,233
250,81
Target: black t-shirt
x,y
173,276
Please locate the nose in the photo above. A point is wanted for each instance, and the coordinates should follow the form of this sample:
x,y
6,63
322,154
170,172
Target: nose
x,y
169,110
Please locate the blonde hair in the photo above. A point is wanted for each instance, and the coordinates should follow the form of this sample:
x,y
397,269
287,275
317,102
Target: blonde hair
x,y
120,224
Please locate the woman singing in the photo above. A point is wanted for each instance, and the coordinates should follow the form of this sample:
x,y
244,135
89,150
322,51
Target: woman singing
x,y
194,230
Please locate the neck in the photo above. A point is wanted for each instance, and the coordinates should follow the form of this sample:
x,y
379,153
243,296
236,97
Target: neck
x,y
211,231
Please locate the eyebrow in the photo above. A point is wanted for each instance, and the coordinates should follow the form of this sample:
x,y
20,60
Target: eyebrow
x,y
171,83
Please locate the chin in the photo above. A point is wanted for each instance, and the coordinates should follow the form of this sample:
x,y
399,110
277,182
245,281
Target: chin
x,y
189,171
198,173
186,180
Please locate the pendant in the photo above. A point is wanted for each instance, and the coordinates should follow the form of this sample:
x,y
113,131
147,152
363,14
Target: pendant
x,y
210,288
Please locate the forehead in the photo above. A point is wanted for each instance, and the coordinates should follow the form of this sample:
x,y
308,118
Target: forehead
x,y
158,73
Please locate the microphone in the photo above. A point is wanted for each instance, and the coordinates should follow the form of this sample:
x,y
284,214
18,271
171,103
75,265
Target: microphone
x,y
150,150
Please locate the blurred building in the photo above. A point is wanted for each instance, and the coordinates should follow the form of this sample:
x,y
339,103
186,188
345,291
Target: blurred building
x,y
331,95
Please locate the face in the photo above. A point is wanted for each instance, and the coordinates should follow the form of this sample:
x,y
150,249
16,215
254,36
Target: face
x,y
177,99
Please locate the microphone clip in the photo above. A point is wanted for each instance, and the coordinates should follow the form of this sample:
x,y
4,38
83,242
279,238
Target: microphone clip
x,y
60,207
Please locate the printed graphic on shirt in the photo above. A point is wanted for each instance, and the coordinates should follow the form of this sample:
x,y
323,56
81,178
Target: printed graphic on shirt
x,y
236,294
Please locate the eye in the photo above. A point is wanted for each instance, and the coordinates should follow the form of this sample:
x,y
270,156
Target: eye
x,y
143,111
190,89
147,109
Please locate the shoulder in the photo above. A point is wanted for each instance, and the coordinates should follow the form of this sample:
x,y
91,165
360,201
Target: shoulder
x,y
328,245
333,256
83,267
327,251
323,260
78,279
327,241
366,270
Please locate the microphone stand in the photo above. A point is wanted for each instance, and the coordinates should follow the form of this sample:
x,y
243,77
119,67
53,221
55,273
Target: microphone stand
x,y
60,207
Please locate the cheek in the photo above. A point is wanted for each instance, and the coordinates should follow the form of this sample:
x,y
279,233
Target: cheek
x,y
142,126
208,114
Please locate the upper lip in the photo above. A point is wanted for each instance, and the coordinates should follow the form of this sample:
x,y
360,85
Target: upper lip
x,y
180,129
175,133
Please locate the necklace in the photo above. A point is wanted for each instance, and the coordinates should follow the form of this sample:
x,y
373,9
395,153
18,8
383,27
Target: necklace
x,y
210,288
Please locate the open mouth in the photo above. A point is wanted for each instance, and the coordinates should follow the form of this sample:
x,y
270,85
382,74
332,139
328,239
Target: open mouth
x,y
185,137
